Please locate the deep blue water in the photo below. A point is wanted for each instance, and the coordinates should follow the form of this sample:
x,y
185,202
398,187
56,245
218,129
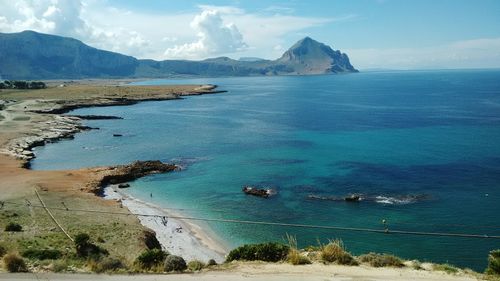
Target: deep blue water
x,y
429,141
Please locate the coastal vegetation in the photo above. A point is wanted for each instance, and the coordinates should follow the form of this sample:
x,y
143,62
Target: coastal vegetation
x,y
294,255
13,227
381,260
98,250
42,254
494,263
22,85
196,265
150,258
335,252
270,252
86,249
107,264
14,263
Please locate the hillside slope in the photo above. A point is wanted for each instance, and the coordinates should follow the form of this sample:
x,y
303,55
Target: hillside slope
x,y
32,55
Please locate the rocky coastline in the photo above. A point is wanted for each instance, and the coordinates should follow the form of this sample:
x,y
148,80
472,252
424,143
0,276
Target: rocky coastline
x,y
58,127
125,173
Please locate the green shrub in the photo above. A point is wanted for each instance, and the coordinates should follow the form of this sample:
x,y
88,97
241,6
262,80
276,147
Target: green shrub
x,y
150,258
175,263
85,248
335,252
270,252
381,260
211,262
493,263
13,227
59,266
82,239
107,265
195,265
45,254
14,263
3,250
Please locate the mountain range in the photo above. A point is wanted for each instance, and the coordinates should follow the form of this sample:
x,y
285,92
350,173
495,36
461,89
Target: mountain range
x,y
33,55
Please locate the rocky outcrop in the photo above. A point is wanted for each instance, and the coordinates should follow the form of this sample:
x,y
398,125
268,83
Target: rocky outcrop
x,y
125,173
60,127
66,126
149,239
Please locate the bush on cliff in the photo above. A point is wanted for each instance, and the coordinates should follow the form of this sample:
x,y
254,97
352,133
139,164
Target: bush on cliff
x,y
196,265
381,260
294,256
14,263
85,248
494,263
3,250
151,258
107,264
271,252
335,252
13,227
45,254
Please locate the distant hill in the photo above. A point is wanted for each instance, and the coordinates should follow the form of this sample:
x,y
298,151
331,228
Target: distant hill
x,y
32,55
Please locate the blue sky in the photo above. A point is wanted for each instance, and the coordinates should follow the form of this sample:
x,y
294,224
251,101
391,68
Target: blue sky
x,y
399,34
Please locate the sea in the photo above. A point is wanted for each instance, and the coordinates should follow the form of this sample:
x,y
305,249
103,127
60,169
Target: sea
x,y
420,148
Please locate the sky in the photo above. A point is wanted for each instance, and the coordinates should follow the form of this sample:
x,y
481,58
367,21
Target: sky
x,y
387,34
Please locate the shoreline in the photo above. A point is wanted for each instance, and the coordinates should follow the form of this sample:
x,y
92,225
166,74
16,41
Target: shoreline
x,y
178,237
56,126
35,119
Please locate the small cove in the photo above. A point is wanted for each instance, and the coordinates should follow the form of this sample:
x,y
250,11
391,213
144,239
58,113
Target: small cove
x,y
424,143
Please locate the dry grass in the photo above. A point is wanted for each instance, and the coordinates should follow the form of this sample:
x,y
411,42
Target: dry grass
x,y
118,234
294,256
335,252
381,260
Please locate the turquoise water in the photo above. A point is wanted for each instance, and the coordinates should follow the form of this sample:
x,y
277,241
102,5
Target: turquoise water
x,y
421,147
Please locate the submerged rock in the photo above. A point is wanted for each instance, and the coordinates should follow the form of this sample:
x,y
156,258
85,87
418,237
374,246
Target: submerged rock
x,y
123,185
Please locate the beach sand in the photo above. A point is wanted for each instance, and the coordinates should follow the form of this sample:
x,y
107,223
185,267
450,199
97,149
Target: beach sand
x,y
178,237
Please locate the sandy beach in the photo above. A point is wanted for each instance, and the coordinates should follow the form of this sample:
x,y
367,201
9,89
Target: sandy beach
x,y
178,237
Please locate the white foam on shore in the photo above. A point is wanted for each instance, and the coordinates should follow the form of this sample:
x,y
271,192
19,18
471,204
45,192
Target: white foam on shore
x,y
178,237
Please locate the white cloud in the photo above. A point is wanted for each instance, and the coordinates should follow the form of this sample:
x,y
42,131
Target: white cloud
x,y
214,37
65,17
475,53
148,35
50,16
